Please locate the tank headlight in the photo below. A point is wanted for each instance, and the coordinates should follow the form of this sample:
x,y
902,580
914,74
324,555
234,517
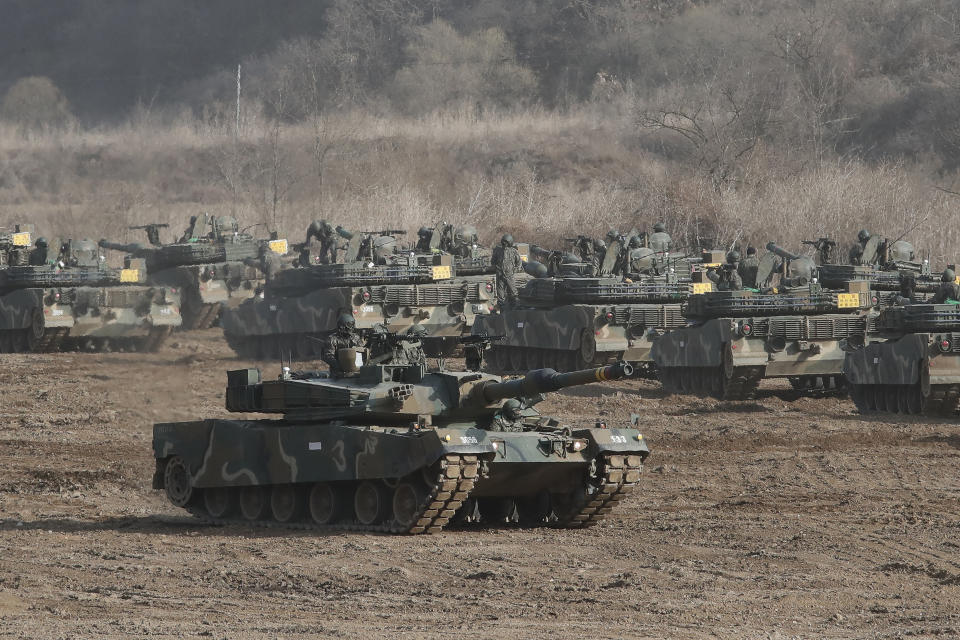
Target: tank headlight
x,y
745,329
489,287
639,437
447,438
578,445
496,445
945,344
609,315
366,296
874,300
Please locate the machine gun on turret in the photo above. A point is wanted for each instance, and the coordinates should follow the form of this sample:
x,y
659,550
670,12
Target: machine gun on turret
x,y
153,231
825,250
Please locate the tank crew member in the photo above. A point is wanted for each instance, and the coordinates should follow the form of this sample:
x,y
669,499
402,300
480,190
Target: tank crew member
x,y
748,268
856,251
660,241
324,233
506,263
424,235
727,278
189,233
949,289
389,348
345,337
508,418
266,261
38,255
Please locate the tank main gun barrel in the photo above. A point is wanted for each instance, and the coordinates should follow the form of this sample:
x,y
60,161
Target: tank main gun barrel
x,y
134,247
546,380
783,253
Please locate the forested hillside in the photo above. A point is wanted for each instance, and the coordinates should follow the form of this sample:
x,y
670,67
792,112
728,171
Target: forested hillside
x,y
733,119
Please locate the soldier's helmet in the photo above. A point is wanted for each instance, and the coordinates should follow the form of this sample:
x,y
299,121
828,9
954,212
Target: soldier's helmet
x,y
634,242
40,242
751,251
659,227
512,408
599,245
346,322
417,330
733,257
863,236
326,227
612,235
423,232
948,275
506,240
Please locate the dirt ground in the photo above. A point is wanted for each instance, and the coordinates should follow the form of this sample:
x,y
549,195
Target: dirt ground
x,y
777,518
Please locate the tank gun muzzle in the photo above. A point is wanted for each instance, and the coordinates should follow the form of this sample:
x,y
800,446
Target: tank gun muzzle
x,y
546,380
783,253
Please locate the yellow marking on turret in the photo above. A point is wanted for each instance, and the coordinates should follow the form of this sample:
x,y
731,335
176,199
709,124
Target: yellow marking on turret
x,y
848,300
130,275
702,287
278,246
21,239
441,272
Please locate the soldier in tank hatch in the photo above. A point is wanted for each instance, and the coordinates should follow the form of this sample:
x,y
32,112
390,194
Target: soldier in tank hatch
x,y
949,289
660,241
748,268
506,263
344,337
727,277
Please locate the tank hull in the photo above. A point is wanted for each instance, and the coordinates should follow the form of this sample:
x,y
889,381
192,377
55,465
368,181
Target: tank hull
x,y
261,327
908,374
418,480
576,336
716,358
87,318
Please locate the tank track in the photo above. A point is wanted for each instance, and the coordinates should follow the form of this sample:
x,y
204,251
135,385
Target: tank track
x,y
141,344
452,486
202,316
943,401
456,478
620,474
16,341
742,385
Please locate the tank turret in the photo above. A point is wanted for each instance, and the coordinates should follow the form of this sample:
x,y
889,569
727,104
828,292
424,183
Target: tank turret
x,y
398,394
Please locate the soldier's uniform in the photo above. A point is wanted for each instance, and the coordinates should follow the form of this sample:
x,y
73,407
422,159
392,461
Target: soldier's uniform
x,y
748,268
324,233
727,278
38,255
660,241
508,418
506,263
949,289
345,337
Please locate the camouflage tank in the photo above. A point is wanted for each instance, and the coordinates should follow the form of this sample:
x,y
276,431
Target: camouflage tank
x,y
397,449
911,364
211,270
734,339
567,319
76,302
299,307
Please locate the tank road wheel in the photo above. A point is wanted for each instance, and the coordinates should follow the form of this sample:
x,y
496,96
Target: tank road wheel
x,y
35,331
219,502
253,502
371,503
326,503
176,481
914,399
517,358
408,502
588,349
286,504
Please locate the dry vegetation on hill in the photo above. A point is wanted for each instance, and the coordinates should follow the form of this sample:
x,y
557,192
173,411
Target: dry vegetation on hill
x,y
734,122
